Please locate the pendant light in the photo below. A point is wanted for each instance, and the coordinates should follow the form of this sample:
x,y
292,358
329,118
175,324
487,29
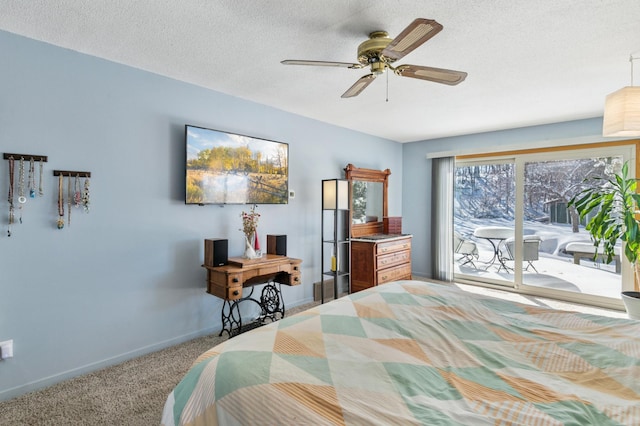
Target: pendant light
x,y
622,111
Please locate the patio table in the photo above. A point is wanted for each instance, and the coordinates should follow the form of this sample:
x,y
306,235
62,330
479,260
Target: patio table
x,y
495,235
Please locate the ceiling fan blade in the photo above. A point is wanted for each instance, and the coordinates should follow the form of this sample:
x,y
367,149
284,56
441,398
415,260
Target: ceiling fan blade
x,y
438,75
413,36
321,63
359,86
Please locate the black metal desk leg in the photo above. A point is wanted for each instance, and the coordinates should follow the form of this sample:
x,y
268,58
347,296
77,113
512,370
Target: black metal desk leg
x,y
231,317
271,301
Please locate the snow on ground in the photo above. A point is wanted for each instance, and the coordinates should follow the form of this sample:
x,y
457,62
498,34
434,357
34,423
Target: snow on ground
x,y
555,237
555,269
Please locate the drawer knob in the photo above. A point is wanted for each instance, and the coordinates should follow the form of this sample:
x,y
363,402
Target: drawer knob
x,y
236,292
296,279
295,268
235,280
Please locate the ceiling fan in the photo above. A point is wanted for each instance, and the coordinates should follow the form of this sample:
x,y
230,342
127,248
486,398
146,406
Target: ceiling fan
x,y
379,52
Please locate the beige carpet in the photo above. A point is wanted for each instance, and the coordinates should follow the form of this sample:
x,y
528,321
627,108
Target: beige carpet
x,y
131,393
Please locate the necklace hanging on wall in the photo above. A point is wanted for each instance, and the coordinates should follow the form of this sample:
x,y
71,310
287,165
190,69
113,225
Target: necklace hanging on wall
x,y
77,195
10,196
40,183
69,200
85,195
60,202
21,198
32,178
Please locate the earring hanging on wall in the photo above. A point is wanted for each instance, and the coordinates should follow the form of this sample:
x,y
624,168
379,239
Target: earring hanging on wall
x,y
60,202
10,196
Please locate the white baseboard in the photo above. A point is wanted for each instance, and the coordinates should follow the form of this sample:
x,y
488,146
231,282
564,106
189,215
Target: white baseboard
x,y
98,365
108,362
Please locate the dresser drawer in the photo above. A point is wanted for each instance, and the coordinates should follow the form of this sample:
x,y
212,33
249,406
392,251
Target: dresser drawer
x,y
394,273
393,246
397,258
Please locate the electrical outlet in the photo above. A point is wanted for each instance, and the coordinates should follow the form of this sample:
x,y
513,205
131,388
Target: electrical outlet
x,y
6,349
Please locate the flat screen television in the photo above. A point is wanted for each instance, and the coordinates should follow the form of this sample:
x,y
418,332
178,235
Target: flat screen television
x,y
227,168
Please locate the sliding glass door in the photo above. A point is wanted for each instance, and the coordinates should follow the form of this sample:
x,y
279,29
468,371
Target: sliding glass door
x,y
484,219
540,246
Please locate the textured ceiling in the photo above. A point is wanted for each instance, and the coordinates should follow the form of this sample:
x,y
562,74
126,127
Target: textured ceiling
x,y
528,61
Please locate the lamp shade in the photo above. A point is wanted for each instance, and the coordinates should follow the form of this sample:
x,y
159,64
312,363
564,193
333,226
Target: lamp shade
x,y
335,194
622,113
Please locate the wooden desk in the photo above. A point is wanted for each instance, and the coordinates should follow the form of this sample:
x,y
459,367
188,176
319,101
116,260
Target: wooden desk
x,y
235,283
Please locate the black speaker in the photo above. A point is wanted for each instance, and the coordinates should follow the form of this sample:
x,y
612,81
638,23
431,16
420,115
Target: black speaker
x,y
277,244
216,252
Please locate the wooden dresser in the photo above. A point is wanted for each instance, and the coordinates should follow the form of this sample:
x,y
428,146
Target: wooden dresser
x,y
378,259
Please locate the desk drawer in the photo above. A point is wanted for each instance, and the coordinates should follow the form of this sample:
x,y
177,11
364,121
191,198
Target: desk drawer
x,y
397,258
291,268
223,279
285,278
395,273
294,278
235,280
269,270
223,292
234,293
393,246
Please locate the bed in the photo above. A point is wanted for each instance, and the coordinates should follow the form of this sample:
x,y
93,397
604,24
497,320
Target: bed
x,y
414,352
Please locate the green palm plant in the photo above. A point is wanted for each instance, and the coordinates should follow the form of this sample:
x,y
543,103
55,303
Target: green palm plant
x,y
615,203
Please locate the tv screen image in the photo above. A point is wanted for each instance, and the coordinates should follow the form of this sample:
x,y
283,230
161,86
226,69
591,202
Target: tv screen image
x,y
227,168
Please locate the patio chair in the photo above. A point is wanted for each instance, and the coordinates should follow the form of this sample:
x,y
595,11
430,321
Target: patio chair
x,y
467,249
531,250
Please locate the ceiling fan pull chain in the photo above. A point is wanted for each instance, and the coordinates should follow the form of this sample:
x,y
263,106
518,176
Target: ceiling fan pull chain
x,y
387,87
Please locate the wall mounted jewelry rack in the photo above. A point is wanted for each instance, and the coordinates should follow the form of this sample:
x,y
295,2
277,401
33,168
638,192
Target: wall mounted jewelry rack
x,y
71,173
26,157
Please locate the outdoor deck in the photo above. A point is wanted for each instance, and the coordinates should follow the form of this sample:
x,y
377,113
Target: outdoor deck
x,y
553,272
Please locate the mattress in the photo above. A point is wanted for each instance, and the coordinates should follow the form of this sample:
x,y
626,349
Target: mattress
x,y
413,352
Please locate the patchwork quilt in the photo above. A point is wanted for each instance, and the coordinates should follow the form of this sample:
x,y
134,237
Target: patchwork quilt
x,y
413,352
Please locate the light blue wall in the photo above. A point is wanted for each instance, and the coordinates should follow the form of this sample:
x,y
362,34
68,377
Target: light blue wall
x,y
416,203
126,279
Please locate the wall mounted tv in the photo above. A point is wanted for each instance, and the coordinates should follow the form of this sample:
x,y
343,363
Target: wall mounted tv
x,y
227,168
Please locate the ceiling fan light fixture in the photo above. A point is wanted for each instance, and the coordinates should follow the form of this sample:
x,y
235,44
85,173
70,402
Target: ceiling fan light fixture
x,y
378,67
622,111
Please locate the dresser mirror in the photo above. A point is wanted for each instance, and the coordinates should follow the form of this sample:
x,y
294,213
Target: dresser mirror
x,y
368,199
